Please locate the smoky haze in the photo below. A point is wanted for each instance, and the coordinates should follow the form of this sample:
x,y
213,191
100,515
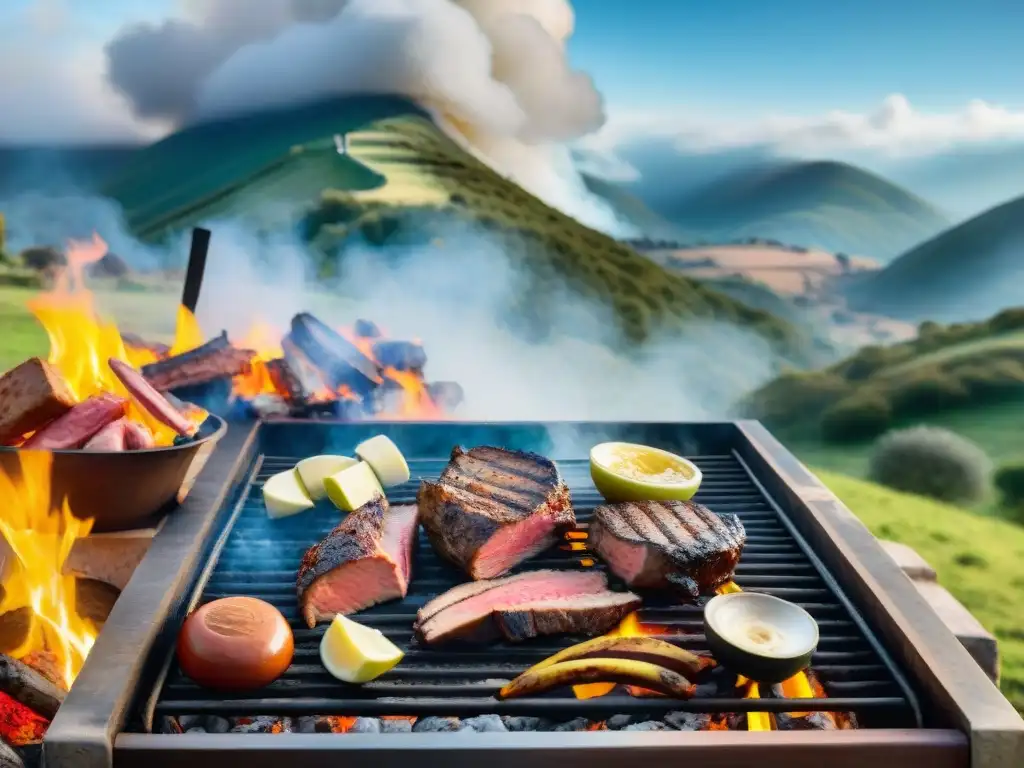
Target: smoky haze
x,y
461,313
494,74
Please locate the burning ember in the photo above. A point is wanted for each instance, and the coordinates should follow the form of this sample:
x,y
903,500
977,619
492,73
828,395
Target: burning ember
x,y
39,533
310,369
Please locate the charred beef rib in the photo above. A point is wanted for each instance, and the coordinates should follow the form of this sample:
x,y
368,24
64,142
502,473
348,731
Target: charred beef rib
x,y
677,544
523,606
491,509
364,561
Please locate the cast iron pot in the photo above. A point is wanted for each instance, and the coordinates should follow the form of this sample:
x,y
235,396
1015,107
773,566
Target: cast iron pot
x,y
122,490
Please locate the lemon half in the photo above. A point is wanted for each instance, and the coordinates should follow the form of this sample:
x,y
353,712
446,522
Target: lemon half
x,y
631,472
354,653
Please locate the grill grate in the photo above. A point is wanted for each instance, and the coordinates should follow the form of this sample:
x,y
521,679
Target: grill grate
x,y
258,557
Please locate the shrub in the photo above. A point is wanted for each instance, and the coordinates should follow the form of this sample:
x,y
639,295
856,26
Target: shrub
x,y
42,258
1008,320
926,391
795,396
933,462
869,360
990,380
1009,481
857,417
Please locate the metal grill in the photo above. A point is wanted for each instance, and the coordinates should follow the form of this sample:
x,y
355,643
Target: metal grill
x,y
258,557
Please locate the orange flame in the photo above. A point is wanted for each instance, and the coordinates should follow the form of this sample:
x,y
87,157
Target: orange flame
x,y
628,627
81,343
39,532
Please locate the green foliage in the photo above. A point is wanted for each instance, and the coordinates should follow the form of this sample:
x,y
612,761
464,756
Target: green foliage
x,y
871,359
926,391
42,258
861,415
781,401
1008,320
932,462
995,379
1009,481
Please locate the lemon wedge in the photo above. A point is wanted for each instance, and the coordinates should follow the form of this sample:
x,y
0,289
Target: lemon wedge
x,y
314,470
284,495
352,487
630,472
385,459
354,653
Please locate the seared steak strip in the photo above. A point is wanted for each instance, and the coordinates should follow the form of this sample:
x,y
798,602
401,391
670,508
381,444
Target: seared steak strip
x,y
366,560
523,606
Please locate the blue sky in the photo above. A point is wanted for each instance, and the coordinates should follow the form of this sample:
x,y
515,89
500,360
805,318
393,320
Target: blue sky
x,y
802,55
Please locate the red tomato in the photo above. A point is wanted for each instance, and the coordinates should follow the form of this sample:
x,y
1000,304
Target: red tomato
x,y
235,643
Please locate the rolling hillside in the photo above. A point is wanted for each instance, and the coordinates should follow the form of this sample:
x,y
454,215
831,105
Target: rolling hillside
x,y
964,273
632,210
398,176
828,205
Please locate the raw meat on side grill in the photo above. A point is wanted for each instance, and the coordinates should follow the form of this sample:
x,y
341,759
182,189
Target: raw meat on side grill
x,y
668,544
366,560
523,606
491,509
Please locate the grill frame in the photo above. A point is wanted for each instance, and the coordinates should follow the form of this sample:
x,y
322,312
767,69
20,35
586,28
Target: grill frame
x,y
973,723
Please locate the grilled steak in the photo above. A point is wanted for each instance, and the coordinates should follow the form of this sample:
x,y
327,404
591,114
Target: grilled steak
x,y
676,544
523,606
491,509
364,561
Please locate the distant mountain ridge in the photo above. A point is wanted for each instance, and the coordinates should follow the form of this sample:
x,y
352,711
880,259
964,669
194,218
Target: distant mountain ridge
x,y
817,204
967,272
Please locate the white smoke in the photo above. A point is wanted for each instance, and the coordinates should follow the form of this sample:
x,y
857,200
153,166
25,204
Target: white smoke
x,y
494,73
582,371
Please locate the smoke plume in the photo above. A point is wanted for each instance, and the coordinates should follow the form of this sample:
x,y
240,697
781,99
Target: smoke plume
x,y
494,73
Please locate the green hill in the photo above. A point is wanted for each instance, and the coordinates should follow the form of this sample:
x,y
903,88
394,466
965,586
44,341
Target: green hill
x,y
946,368
631,209
963,273
822,204
979,559
400,178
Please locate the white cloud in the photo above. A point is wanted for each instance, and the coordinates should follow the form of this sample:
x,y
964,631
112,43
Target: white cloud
x,y
895,127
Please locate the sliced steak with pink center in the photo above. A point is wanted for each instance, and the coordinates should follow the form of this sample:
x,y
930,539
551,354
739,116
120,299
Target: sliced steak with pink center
x,y
526,605
366,560
668,544
491,509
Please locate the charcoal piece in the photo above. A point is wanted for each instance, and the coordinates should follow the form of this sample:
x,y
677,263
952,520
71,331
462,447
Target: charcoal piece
x,y
484,724
521,724
9,758
366,329
576,724
310,378
25,685
618,722
169,724
261,724
396,725
216,359
365,725
191,721
341,361
812,721
400,355
688,721
214,724
648,725
447,395
196,729
287,382
436,725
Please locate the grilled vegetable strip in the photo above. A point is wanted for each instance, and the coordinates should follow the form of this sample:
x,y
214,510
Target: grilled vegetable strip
x,y
641,673
648,649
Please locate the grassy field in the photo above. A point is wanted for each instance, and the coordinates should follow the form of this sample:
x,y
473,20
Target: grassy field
x,y
980,560
974,349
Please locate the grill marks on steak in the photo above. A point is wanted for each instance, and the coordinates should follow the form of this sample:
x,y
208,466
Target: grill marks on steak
x,y
678,544
491,509
524,606
365,560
